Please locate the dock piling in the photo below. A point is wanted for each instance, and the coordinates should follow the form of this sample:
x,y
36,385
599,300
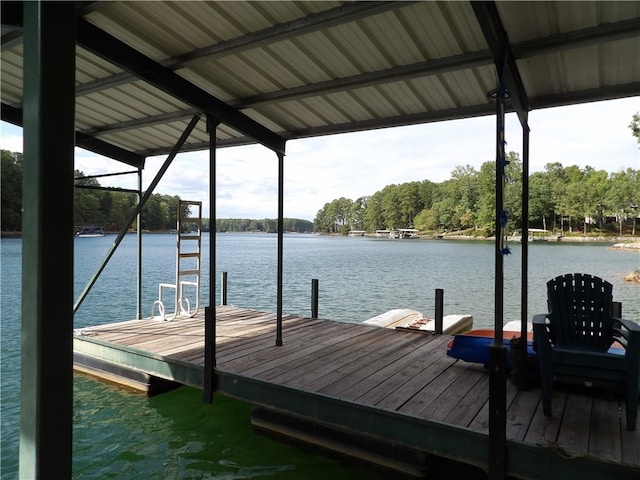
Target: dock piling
x,y
223,288
314,298
439,317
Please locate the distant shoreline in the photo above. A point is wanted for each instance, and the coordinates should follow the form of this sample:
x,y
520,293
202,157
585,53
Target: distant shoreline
x,y
622,243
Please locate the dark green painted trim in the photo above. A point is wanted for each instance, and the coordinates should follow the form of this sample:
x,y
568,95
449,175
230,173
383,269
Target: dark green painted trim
x,y
456,443
140,360
437,438
46,397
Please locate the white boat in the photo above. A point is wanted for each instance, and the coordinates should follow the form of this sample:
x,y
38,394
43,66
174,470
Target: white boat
x,y
413,320
404,233
357,233
535,235
90,232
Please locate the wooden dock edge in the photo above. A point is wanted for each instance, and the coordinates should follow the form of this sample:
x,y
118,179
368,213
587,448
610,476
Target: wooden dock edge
x,y
132,368
127,378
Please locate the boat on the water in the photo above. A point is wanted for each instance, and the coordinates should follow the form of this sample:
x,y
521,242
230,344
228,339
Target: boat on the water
x,y
413,320
90,231
404,233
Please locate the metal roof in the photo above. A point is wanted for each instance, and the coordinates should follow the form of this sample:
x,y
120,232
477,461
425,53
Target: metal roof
x,y
278,70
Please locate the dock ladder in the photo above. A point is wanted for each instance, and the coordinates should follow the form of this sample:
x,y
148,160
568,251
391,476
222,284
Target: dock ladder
x,y
188,261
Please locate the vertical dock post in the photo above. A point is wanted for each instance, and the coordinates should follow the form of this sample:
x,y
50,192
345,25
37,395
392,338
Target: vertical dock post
x,y
209,381
314,298
223,289
439,310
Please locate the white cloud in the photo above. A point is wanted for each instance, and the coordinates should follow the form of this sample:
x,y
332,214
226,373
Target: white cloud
x,y
318,170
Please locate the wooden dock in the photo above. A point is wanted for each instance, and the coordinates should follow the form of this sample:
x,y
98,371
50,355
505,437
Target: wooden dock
x,y
377,383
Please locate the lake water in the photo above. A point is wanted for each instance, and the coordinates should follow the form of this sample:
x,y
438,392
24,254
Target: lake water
x,y
128,436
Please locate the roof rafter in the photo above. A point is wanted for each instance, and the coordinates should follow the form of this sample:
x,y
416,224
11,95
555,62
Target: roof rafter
x,y
608,32
113,50
14,115
313,22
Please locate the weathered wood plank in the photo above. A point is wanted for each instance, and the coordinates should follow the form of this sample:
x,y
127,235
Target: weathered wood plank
x,y
481,421
327,373
606,425
573,438
376,361
294,373
304,343
394,390
544,430
630,446
464,411
399,373
444,403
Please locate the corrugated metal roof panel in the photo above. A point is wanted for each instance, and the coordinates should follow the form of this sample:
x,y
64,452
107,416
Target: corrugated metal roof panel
x,y
308,68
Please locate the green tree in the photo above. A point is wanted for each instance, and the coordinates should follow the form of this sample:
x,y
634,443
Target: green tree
x,y
373,218
87,210
11,190
464,189
623,197
635,126
597,185
540,199
391,214
486,210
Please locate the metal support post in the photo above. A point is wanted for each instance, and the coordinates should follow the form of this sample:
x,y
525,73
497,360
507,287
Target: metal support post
x,y
497,350
314,298
439,317
280,247
223,288
46,394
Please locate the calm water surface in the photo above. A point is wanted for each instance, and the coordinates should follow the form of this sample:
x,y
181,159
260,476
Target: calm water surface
x,y
122,435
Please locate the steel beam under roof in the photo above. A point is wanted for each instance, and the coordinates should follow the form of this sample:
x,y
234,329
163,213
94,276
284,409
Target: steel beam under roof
x,y
129,59
496,36
14,115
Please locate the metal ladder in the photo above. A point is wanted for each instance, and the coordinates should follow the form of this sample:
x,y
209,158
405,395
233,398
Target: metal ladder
x,y
188,256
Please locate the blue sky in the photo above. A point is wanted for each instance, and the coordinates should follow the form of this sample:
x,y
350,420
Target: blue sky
x,y
353,165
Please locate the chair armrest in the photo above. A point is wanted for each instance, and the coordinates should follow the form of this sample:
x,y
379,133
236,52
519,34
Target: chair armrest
x,y
540,318
541,340
627,333
628,324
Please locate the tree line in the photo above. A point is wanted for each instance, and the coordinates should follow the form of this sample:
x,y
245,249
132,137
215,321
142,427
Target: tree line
x,y
561,198
266,225
97,205
92,206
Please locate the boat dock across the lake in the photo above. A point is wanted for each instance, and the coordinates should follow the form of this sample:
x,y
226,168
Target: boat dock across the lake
x,y
396,391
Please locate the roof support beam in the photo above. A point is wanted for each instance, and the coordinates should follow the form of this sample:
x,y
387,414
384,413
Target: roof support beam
x,y
14,115
496,37
316,21
110,48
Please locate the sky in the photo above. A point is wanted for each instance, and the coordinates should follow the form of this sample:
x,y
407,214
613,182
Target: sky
x,y
319,170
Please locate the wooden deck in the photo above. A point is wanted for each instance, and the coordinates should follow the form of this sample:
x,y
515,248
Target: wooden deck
x,y
382,383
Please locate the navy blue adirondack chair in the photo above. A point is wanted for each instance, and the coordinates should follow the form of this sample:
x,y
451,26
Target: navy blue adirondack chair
x,y
574,339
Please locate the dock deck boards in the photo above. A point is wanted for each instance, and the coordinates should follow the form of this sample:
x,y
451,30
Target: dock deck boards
x,y
387,383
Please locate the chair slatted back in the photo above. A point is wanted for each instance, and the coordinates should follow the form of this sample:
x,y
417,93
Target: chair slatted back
x,y
580,312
